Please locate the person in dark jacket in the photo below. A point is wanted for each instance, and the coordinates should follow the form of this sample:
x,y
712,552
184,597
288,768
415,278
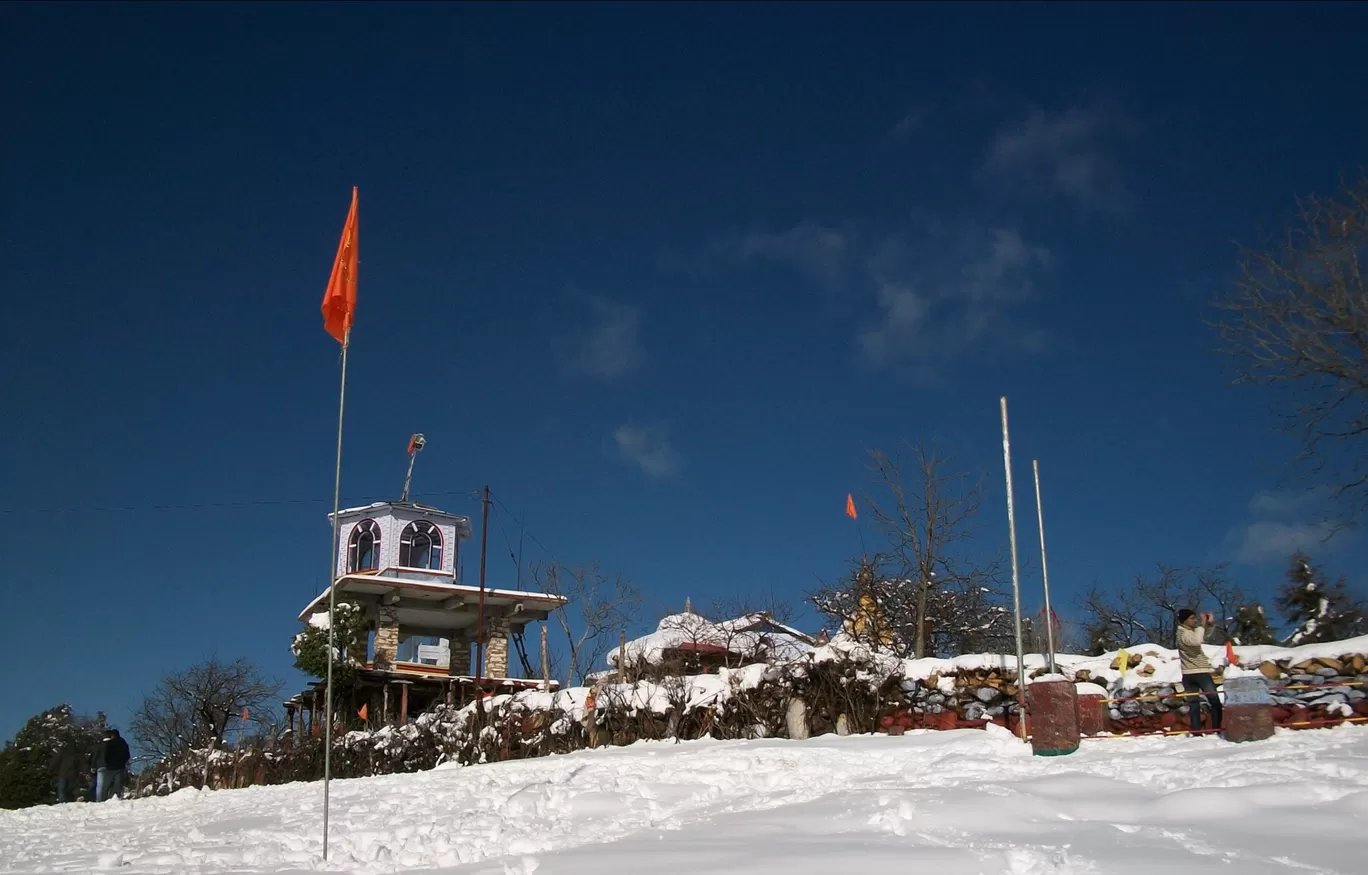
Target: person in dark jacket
x,y
63,767
110,762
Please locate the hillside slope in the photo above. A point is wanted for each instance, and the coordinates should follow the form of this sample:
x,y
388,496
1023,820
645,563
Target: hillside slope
x,y
962,801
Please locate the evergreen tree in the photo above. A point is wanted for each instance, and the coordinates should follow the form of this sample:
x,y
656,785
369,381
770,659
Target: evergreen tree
x,y
26,773
310,647
1314,608
1251,626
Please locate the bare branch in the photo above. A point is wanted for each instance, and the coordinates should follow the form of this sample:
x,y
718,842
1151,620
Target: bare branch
x,y
1297,321
598,608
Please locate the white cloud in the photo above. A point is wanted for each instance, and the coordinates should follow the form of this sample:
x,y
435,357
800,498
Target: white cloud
x,y
608,347
817,251
1283,522
913,121
948,292
1064,152
1266,540
649,449
1288,502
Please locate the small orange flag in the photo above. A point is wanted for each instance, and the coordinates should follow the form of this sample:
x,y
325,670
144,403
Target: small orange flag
x,y
244,713
850,507
1231,659
339,301
362,713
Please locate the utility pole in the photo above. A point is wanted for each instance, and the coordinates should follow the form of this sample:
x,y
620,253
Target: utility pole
x,y
480,619
1016,577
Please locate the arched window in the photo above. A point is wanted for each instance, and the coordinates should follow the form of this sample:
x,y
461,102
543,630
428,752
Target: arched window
x,y
363,550
420,546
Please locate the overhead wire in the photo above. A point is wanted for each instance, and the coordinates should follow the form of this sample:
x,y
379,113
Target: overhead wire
x,y
214,505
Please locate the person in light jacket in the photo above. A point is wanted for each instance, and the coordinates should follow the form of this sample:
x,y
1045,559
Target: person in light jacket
x,y
1197,670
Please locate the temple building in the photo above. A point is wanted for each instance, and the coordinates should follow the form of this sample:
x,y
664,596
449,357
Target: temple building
x,y
399,561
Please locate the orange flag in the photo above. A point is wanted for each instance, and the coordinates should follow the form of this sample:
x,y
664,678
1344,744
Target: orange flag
x,y
244,714
339,301
362,713
850,507
1231,659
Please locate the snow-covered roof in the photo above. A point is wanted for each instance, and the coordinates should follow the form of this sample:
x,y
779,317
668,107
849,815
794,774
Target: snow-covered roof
x,y
745,636
396,505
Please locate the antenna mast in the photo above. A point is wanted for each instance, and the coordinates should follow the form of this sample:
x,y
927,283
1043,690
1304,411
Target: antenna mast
x,y
415,446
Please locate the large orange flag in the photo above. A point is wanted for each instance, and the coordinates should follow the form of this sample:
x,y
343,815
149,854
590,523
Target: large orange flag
x,y
850,507
339,301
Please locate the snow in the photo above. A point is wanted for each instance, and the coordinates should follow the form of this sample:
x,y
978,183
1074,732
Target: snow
x,y
736,635
966,801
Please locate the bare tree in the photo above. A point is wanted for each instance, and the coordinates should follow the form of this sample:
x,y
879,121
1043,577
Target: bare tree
x,y
1297,320
924,588
599,606
1145,610
194,708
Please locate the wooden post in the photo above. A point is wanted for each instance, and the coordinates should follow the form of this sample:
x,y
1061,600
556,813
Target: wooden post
x,y
403,703
546,662
622,656
384,704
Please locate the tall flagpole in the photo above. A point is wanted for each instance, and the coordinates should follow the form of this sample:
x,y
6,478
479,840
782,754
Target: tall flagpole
x,y
1044,568
332,597
1016,578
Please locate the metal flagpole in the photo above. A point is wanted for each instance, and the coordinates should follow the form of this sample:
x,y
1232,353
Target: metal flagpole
x,y
332,598
1016,577
1044,568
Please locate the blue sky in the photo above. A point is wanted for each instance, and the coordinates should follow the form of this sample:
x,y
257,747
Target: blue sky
x,y
657,274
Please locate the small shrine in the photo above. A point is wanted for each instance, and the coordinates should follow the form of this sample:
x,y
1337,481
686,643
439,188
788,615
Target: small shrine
x,y
399,562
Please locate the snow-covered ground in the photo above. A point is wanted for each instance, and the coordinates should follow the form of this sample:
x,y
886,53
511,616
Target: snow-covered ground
x,y
966,801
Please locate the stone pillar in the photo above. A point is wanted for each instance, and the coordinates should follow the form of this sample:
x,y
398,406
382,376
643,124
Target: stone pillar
x,y
459,663
1052,706
1248,709
386,637
496,648
1093,717
796,719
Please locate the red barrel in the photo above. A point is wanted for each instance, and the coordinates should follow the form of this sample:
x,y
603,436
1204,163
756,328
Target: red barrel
x,y
1052,703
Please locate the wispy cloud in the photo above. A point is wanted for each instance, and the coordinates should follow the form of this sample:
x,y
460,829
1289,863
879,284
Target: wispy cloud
x,y
607,346
1265,540
949,291
1064,152
1289,502
1283,522
648,448
819,252
914,120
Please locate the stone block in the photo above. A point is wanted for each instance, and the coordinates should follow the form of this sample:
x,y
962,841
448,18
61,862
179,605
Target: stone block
x,y
1248,709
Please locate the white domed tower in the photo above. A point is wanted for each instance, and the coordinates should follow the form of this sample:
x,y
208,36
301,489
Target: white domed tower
x,y
400,561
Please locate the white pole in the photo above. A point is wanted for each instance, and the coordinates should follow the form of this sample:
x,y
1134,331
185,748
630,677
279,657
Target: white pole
x,y
1016,577
332,598
1044,568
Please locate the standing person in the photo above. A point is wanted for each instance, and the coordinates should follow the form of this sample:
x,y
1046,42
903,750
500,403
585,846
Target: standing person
x,y
63,765
1197,669
110,760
